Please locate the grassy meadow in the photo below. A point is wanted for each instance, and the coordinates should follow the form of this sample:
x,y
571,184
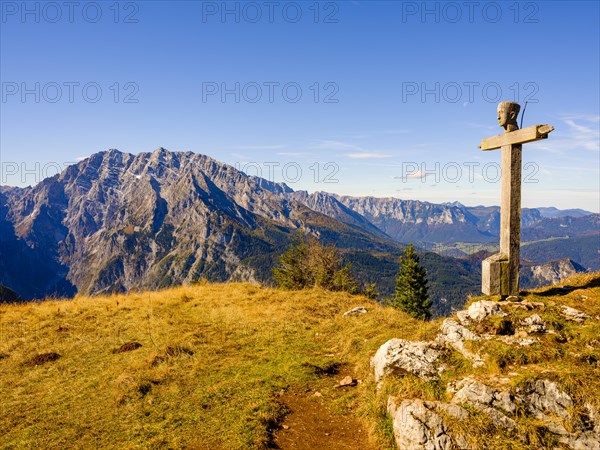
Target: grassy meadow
x,y
203,366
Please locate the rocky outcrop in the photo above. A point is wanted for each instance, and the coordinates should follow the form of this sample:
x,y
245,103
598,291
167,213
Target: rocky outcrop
x,y
534,324
480,310
574,314
552,272
399,355
418,425
546,401
428,425
453,333
543,397
422,425
494,403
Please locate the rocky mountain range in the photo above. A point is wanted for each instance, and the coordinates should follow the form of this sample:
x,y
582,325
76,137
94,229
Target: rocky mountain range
x,y
424,222
117,221
547,233
550,273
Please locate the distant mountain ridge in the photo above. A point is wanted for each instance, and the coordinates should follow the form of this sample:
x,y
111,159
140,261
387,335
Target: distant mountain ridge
x,y
552,272
117,221
415,220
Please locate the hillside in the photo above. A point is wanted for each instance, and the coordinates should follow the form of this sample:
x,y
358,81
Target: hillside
x,y
585,250
237,366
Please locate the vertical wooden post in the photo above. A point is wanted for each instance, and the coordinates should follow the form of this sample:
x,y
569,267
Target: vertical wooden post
x,y
510,213
500,272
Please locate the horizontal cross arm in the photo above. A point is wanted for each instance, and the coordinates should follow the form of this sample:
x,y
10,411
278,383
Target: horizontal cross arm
x,y
529,134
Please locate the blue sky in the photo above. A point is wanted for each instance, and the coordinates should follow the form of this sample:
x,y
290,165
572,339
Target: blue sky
x,y
352,97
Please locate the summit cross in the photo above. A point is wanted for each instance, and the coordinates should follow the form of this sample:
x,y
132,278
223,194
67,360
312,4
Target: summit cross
x,y
500,272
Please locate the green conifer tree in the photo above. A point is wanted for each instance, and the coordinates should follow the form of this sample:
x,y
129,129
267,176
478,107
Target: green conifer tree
x,y
411,286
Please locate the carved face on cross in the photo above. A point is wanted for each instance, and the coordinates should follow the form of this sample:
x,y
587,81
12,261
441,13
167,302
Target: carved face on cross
x,y
507,115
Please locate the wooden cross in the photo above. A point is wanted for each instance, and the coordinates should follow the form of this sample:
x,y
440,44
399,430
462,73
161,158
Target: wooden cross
x,y
500,272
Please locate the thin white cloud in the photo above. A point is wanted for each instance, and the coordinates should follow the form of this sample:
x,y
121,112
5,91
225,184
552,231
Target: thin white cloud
x,y
335,145
418,175
356,152
258,147
479,126
367,155
290,154
240,156
81,158
585,117
581,133
393,131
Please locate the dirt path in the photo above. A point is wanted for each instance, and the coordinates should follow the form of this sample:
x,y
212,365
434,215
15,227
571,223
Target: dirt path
x,y
312,425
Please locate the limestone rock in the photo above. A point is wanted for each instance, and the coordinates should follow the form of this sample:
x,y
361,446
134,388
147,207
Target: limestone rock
x,y
534,324
594,415
356,311
527,306
547,402
549,273
463,317
454,334
581,441
473,391
519,340
347,381
399,355
484,308
418,426
574,314
544,396
487,400
452,331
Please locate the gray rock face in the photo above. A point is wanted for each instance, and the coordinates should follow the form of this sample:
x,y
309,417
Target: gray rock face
x,y
117,221
399,355
549,273
543,396
480,310
419,426
543,399
329,205
534,324
574,314
454,334
494,403
410,220
546,401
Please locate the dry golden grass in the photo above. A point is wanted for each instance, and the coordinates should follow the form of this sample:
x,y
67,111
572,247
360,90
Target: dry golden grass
x,y
211,359
214,356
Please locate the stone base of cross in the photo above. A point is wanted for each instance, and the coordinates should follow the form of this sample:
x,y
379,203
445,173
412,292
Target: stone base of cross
x,y
500,272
